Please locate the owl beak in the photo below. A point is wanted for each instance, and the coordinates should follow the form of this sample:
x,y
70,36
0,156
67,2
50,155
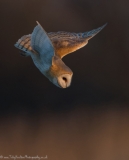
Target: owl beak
x,y
62,85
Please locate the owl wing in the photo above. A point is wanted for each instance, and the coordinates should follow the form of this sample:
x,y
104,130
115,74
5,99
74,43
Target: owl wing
x,y
24,45
62,42
66,42
41,43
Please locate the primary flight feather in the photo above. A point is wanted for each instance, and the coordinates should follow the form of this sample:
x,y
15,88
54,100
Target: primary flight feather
x,y
48,49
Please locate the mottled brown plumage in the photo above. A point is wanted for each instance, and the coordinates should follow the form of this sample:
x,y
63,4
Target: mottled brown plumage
x,y
63,42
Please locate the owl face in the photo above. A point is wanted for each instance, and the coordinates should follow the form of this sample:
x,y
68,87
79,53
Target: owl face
x,y
59,74
62,81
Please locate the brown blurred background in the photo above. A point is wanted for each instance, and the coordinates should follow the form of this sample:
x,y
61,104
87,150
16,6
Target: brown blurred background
x,y
89,120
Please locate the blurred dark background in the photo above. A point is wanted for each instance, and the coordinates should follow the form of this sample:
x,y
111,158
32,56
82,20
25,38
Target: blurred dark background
x,y
89,120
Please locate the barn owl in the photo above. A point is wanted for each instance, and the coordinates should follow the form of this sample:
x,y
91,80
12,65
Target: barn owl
x,y
48,49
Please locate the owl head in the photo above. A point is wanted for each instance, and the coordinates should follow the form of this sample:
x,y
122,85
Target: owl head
x,y
59,74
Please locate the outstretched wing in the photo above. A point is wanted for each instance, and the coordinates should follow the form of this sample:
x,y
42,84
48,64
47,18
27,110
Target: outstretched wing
x,y
41,43
62,42
66,42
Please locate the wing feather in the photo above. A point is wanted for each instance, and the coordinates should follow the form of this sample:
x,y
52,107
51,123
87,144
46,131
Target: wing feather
x,y
62,43
67,42
41,43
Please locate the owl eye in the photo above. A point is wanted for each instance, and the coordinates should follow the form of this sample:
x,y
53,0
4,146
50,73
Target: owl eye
x,y
65,79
